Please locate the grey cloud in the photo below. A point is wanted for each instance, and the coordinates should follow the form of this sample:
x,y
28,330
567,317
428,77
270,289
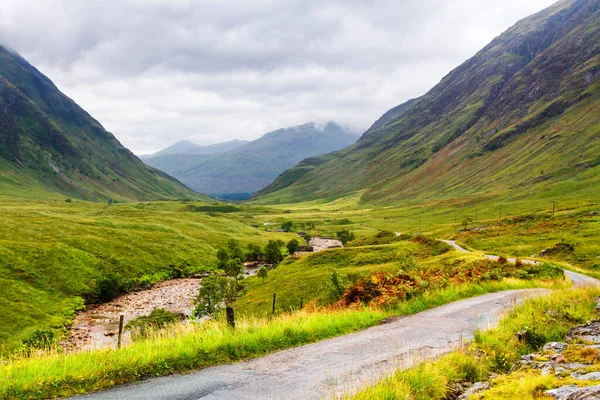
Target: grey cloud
x,y
156,71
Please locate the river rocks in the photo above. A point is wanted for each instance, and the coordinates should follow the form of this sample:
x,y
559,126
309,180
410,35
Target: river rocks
x,y
320,244
96,327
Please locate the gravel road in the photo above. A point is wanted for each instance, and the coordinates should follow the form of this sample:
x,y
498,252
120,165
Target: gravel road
x,y
339,365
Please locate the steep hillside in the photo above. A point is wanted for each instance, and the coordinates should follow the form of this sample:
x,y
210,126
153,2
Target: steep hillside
x,y
518,119
254,165
49,146
187,147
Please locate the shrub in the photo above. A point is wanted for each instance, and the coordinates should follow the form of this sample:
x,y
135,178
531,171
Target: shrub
x,y
145,325
345,236
39,339
293,246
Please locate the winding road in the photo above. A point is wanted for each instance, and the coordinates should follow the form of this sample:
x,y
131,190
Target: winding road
x,y
340,365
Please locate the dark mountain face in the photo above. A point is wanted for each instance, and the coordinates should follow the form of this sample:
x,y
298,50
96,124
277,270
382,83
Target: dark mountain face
x,y
256,164
49,144
520,106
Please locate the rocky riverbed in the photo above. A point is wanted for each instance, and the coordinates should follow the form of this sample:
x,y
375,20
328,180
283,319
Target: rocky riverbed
x,y
96,327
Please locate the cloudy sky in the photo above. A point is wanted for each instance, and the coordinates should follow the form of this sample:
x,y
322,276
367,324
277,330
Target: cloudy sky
x,y
157,71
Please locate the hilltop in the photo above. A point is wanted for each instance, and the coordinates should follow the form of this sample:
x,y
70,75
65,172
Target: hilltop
x,y
51,148
518,119
252,166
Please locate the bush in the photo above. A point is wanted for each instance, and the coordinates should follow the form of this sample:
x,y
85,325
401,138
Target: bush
x,y
293,246
345,236
39,339
145,325
107,288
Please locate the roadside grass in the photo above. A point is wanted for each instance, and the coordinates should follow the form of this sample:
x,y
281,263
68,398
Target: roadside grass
x,y
195,346
546,319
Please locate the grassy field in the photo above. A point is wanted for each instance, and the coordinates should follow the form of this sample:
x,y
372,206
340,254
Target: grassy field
x,y
53,253
494,351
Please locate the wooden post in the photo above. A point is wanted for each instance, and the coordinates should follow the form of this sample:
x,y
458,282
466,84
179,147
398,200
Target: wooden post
x,y
121,317
230,317
301,300
274,297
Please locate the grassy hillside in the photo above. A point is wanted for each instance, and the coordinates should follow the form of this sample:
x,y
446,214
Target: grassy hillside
x,y
53,254
49,145
518,119
256,164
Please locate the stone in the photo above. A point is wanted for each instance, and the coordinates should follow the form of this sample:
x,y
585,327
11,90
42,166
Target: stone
x,y
588,393
562,392
556,347
592,376
476,388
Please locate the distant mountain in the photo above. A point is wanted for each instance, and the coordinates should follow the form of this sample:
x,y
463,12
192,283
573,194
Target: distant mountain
x,y
518,120
50,146
187,147
256,164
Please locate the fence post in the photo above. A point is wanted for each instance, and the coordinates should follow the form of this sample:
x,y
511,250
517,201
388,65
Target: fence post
x,y
121,317
274,297
301,300
230,317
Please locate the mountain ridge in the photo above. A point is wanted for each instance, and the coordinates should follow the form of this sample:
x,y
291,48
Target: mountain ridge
x,y
51,147
256,164
479,124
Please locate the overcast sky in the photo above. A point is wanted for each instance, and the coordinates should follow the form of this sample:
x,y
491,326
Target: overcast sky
x,y
157,71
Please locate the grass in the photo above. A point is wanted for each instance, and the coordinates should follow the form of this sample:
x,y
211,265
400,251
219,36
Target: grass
x,y
195,346
547,318
53,253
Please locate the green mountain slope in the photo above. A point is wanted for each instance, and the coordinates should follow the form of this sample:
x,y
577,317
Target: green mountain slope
x,y
519,118
49,146
254,165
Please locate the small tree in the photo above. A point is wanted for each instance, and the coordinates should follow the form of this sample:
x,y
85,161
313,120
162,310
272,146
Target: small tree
x,y
234,249
234,268
345,236
273,251
254,252
262,273
223,257
215,293
292,246
307,237
466,222
287,226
